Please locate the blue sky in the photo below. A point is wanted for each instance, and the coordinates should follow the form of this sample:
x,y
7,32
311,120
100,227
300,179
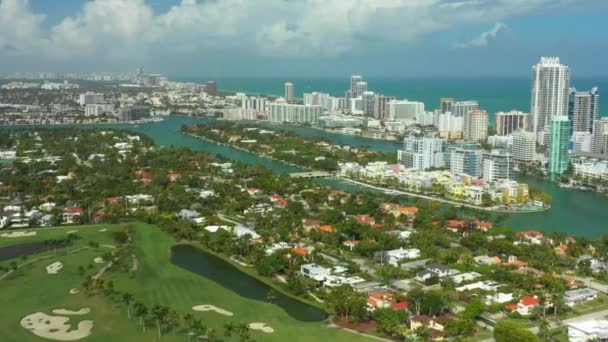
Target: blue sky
x,y
315,38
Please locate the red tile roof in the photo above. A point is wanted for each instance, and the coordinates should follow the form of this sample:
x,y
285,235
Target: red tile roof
x,y
529,301
326,228
72,210
300,251
402,306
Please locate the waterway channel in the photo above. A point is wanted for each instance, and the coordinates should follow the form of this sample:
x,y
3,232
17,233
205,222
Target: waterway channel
x,y
574,212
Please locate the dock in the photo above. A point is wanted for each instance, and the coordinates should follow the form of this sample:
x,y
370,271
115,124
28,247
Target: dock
x,y
311,174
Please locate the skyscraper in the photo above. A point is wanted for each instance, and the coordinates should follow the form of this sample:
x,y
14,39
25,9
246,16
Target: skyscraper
x,y
211,87
289,92
460,108
561,130
583,109
445,104
466,160
368,99
476,125
550,86
599,140
509,122
381,106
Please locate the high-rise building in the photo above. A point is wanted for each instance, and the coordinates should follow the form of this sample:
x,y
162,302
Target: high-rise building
x,y
289,92
550,86
354,79
461,108
255,103
360,88
211,87
91,98
581,141
404,110
318,99
496,165
583,109
422,153
381,106
294,113
509,122
561,130
466,160
599,142
368,99
475,125
524,146
445,104
450,126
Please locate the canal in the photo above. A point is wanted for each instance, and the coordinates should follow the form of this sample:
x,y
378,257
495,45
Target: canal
x,y
228,276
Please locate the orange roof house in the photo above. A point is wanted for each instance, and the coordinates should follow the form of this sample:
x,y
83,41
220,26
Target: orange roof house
x,y
300,251
365,219
326,228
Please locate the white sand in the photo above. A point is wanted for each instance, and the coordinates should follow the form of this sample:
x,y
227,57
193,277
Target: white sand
x,y
103,230
261,327
82,311
207,307
74,291
54,267
98,260
55,327
72,232
17,234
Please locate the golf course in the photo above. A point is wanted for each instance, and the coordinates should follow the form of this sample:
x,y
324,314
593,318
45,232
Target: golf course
x,y
32,293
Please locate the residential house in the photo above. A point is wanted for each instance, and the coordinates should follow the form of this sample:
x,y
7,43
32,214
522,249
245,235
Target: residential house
x,y
437,328
434,270
465,277
309,224
379,300
487,260
499,298
71,214
588,330
326,228
531,237
187,214
315,271
300,251
578,296
394,256
277,247
365,219
561,249
486,285
525,305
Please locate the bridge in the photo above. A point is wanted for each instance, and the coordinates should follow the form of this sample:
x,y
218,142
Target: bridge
x,y
311,174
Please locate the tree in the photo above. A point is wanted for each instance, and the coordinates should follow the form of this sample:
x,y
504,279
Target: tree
x,y
507,330
460,325
141,311
229,329
159,314
543,329
244,332
347,303
389,320
127,298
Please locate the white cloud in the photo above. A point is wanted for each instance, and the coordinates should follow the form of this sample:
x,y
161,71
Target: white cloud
x,y
484,38
130,30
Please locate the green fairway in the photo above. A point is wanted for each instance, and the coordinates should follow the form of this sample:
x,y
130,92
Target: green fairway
x,y
157,281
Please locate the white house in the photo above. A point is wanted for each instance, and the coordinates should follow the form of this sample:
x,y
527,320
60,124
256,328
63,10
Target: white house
x,y
573,297
589,330
314,271
277,247
499,298
486,285
465,277
525,305
394,256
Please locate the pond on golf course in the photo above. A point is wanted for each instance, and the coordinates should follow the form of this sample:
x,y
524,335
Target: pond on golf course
x,y
15,251
225,274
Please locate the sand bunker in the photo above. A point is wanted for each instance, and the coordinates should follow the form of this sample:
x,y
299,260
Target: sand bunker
x,y
103,230
212,308
74,291
72,232
54,267
82,311
261,327
98,260
55,327
17,234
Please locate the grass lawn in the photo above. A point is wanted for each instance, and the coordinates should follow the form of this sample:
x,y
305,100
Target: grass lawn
x,y
157,281
86,233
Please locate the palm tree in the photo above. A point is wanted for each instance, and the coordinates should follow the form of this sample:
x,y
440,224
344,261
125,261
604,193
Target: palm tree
x,y
211,335
127,298
543,328
229,330
159,313
141,311
243,331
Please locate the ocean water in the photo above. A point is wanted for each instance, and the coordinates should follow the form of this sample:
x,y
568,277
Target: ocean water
x,y
493,94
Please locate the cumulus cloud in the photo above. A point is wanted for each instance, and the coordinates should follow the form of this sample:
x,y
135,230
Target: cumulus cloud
x,y
131,30
484,38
